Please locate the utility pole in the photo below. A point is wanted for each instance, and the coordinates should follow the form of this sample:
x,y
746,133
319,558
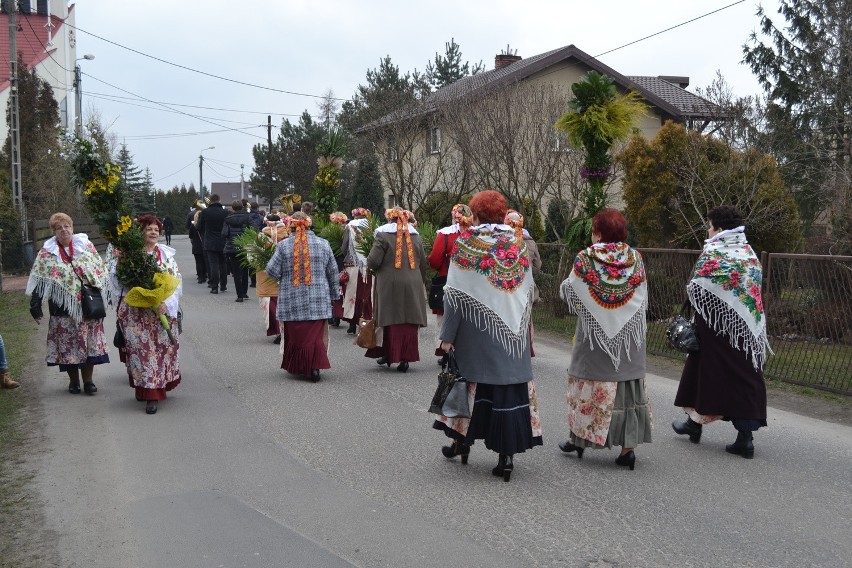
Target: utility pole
x,y
242,183
269,159
15,132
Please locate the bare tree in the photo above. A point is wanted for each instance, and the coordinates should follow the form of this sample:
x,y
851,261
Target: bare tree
x,y
505,140
328,108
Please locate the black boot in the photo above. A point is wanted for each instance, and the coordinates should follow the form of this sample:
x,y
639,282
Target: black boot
x,y
457,449
504,467
688,427
351,329
743,446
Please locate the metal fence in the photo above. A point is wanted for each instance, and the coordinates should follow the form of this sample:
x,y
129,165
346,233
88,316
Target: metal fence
x,y
808,302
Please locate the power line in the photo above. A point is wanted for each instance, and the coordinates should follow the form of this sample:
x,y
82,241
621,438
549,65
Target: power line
x,y
175,173
175,110
238,82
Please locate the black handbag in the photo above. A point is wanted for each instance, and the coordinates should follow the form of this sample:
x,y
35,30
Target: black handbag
x,y
436,290
450,398
118,339
436,293
681,334
93,303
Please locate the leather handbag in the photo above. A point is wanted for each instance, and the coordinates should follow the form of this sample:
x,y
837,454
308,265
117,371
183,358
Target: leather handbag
x,y
366,337
436,293
93,303
681,334
118,339
450,398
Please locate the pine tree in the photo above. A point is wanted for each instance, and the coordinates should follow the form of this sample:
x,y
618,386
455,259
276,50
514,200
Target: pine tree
x,y
133,182
367,189
805,68
448,68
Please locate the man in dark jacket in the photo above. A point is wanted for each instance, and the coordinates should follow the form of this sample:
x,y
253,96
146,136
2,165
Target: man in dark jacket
x,y
210,224
235,223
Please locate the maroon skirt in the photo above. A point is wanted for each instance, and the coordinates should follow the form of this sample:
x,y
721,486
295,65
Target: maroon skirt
x,y
399,343
337,308
274,325
363,298
304,349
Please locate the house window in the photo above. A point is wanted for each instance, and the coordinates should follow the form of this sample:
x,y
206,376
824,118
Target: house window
x,y
435,141
393,151
391,201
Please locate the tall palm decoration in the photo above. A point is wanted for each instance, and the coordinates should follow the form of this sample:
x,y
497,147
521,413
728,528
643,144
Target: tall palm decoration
x,y
326,185
598,117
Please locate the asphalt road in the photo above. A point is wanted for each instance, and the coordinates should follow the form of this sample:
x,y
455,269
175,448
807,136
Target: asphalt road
x,y
244,465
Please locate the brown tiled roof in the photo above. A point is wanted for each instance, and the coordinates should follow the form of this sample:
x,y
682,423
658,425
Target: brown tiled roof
x,y
688,104
672,101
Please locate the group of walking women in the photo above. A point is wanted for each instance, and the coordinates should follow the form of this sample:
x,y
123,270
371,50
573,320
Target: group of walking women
x,y
489,263
486,323
75,344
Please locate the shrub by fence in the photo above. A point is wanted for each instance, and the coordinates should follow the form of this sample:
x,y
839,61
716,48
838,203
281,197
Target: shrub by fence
x,y
808,302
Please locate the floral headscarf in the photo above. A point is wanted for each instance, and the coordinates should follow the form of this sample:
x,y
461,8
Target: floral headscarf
x,y
726,290
402,233
301,251
515,220
338,217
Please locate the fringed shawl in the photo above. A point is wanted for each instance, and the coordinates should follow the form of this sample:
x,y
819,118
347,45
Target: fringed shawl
x,y
726,290
608,291
53,278
165,263
490,283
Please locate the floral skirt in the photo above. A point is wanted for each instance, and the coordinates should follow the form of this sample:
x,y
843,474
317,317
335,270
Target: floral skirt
x,y
603,414
505,417
151,358
400,342
73,345
304,346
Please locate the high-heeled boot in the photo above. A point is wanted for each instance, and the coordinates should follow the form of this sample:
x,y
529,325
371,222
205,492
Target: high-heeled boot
x,y
457,449
743,446
568,447
504,467
688,427
627,460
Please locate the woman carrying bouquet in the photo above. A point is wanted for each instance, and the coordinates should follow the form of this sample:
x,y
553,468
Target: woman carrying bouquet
x,y
150,354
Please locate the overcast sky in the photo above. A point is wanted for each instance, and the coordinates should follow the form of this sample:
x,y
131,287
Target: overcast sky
x,y
310,47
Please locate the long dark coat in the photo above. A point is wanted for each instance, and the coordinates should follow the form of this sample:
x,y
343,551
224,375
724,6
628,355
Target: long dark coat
x,y
210,226
400,292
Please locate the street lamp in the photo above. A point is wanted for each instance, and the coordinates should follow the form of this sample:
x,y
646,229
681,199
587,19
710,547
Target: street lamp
x,y
201,172
78,96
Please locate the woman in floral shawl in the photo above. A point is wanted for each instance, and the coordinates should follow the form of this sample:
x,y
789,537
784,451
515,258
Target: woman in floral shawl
x,y
725,378
487,307
607,401
149,353
73,343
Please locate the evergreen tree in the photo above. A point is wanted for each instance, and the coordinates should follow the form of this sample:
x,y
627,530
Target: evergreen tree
x,y
448,68
367,189
133,183
805,67
45,174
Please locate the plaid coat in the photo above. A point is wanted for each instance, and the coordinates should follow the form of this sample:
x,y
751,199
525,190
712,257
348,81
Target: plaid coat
x,y
305,302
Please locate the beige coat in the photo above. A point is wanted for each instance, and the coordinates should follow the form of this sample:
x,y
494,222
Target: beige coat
x,y
400,292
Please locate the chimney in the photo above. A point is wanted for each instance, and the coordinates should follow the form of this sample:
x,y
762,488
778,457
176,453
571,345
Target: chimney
x,y
682,82
502,60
